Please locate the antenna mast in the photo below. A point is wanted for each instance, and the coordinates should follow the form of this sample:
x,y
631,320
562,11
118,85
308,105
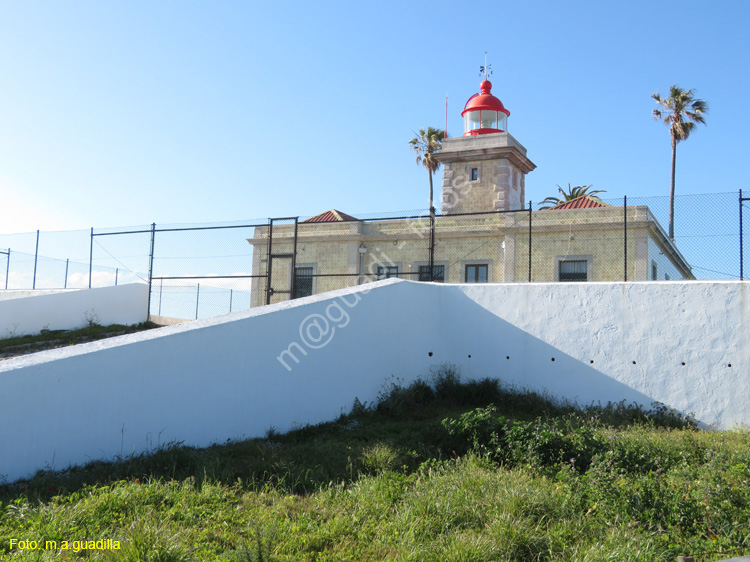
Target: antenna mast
x,y
445,134
486,68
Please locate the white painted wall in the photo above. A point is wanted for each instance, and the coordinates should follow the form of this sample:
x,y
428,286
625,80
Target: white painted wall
x,y
638,335
29,312
664,265
214,379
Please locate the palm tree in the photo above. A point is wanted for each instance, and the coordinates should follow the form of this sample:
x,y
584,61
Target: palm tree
x,y
426,144
680,112
572,193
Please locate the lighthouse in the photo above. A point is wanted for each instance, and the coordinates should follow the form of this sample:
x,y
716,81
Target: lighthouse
x,y
485,169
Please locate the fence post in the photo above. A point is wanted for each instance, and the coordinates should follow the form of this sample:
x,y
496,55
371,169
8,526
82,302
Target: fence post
x,y
7,269
269,261
197,300
625,229
151,270
742,265
67,263
117,272
161,286
293,280
530,203
91,255
36,257
230,299
432,242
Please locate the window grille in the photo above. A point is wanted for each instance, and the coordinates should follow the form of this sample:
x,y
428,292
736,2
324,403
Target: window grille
x,y
438,273
387,272
574,270
303,282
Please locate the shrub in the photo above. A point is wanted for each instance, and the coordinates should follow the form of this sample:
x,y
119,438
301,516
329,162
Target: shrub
x,y
398,400
378,458
447,381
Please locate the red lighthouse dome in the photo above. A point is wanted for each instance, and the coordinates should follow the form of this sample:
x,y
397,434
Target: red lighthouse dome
x,y
484,113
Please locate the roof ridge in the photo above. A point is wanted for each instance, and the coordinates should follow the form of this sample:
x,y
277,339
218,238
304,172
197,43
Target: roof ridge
x,y
331,215
585,201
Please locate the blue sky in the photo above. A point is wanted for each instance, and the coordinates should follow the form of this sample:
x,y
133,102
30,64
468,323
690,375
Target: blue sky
x,y
127,113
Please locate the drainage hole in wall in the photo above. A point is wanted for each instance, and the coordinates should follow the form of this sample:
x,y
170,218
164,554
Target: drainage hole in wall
x,y
553,359
683,363
729,365
633,362
430,354
469,356
592,361
507,356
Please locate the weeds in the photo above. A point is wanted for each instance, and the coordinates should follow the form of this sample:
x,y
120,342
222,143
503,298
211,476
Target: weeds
x,y
378,459
48,339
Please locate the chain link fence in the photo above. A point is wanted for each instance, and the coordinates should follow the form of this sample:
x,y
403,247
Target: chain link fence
x,y
198,271
707,231
58,260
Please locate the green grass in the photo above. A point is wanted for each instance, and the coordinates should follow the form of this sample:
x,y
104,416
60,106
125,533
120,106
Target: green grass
x,y
48,339
430,473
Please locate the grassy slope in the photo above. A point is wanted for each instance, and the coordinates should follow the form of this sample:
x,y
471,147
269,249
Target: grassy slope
x,y
541,483
50,339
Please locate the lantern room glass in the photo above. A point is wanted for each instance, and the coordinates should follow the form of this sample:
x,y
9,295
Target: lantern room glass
x,y
485,119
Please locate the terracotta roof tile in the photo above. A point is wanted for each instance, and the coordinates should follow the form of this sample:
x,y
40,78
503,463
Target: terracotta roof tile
x,y
585,202
331,216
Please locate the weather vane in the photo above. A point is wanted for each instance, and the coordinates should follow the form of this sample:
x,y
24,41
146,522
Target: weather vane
x,y
485,69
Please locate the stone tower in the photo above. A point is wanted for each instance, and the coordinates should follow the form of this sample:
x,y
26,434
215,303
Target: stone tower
x,y
485,169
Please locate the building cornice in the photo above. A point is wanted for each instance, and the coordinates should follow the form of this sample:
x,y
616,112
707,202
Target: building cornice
x,y
485,147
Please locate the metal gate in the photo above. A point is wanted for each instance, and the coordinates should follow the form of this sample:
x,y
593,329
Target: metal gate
x,y
270,290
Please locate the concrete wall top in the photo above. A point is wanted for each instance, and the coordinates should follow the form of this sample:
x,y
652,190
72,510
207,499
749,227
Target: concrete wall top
x,y
179,328
11,294
32,311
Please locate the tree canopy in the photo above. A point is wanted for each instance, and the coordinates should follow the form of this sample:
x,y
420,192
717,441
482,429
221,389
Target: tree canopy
x,y
574,192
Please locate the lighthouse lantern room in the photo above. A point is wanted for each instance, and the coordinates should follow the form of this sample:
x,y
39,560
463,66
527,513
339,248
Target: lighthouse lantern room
x,y
484,113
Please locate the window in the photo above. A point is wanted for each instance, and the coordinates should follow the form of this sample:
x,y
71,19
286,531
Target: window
x,y
573,270
474,174
654,276
387,272
303,282
476,273
438,273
